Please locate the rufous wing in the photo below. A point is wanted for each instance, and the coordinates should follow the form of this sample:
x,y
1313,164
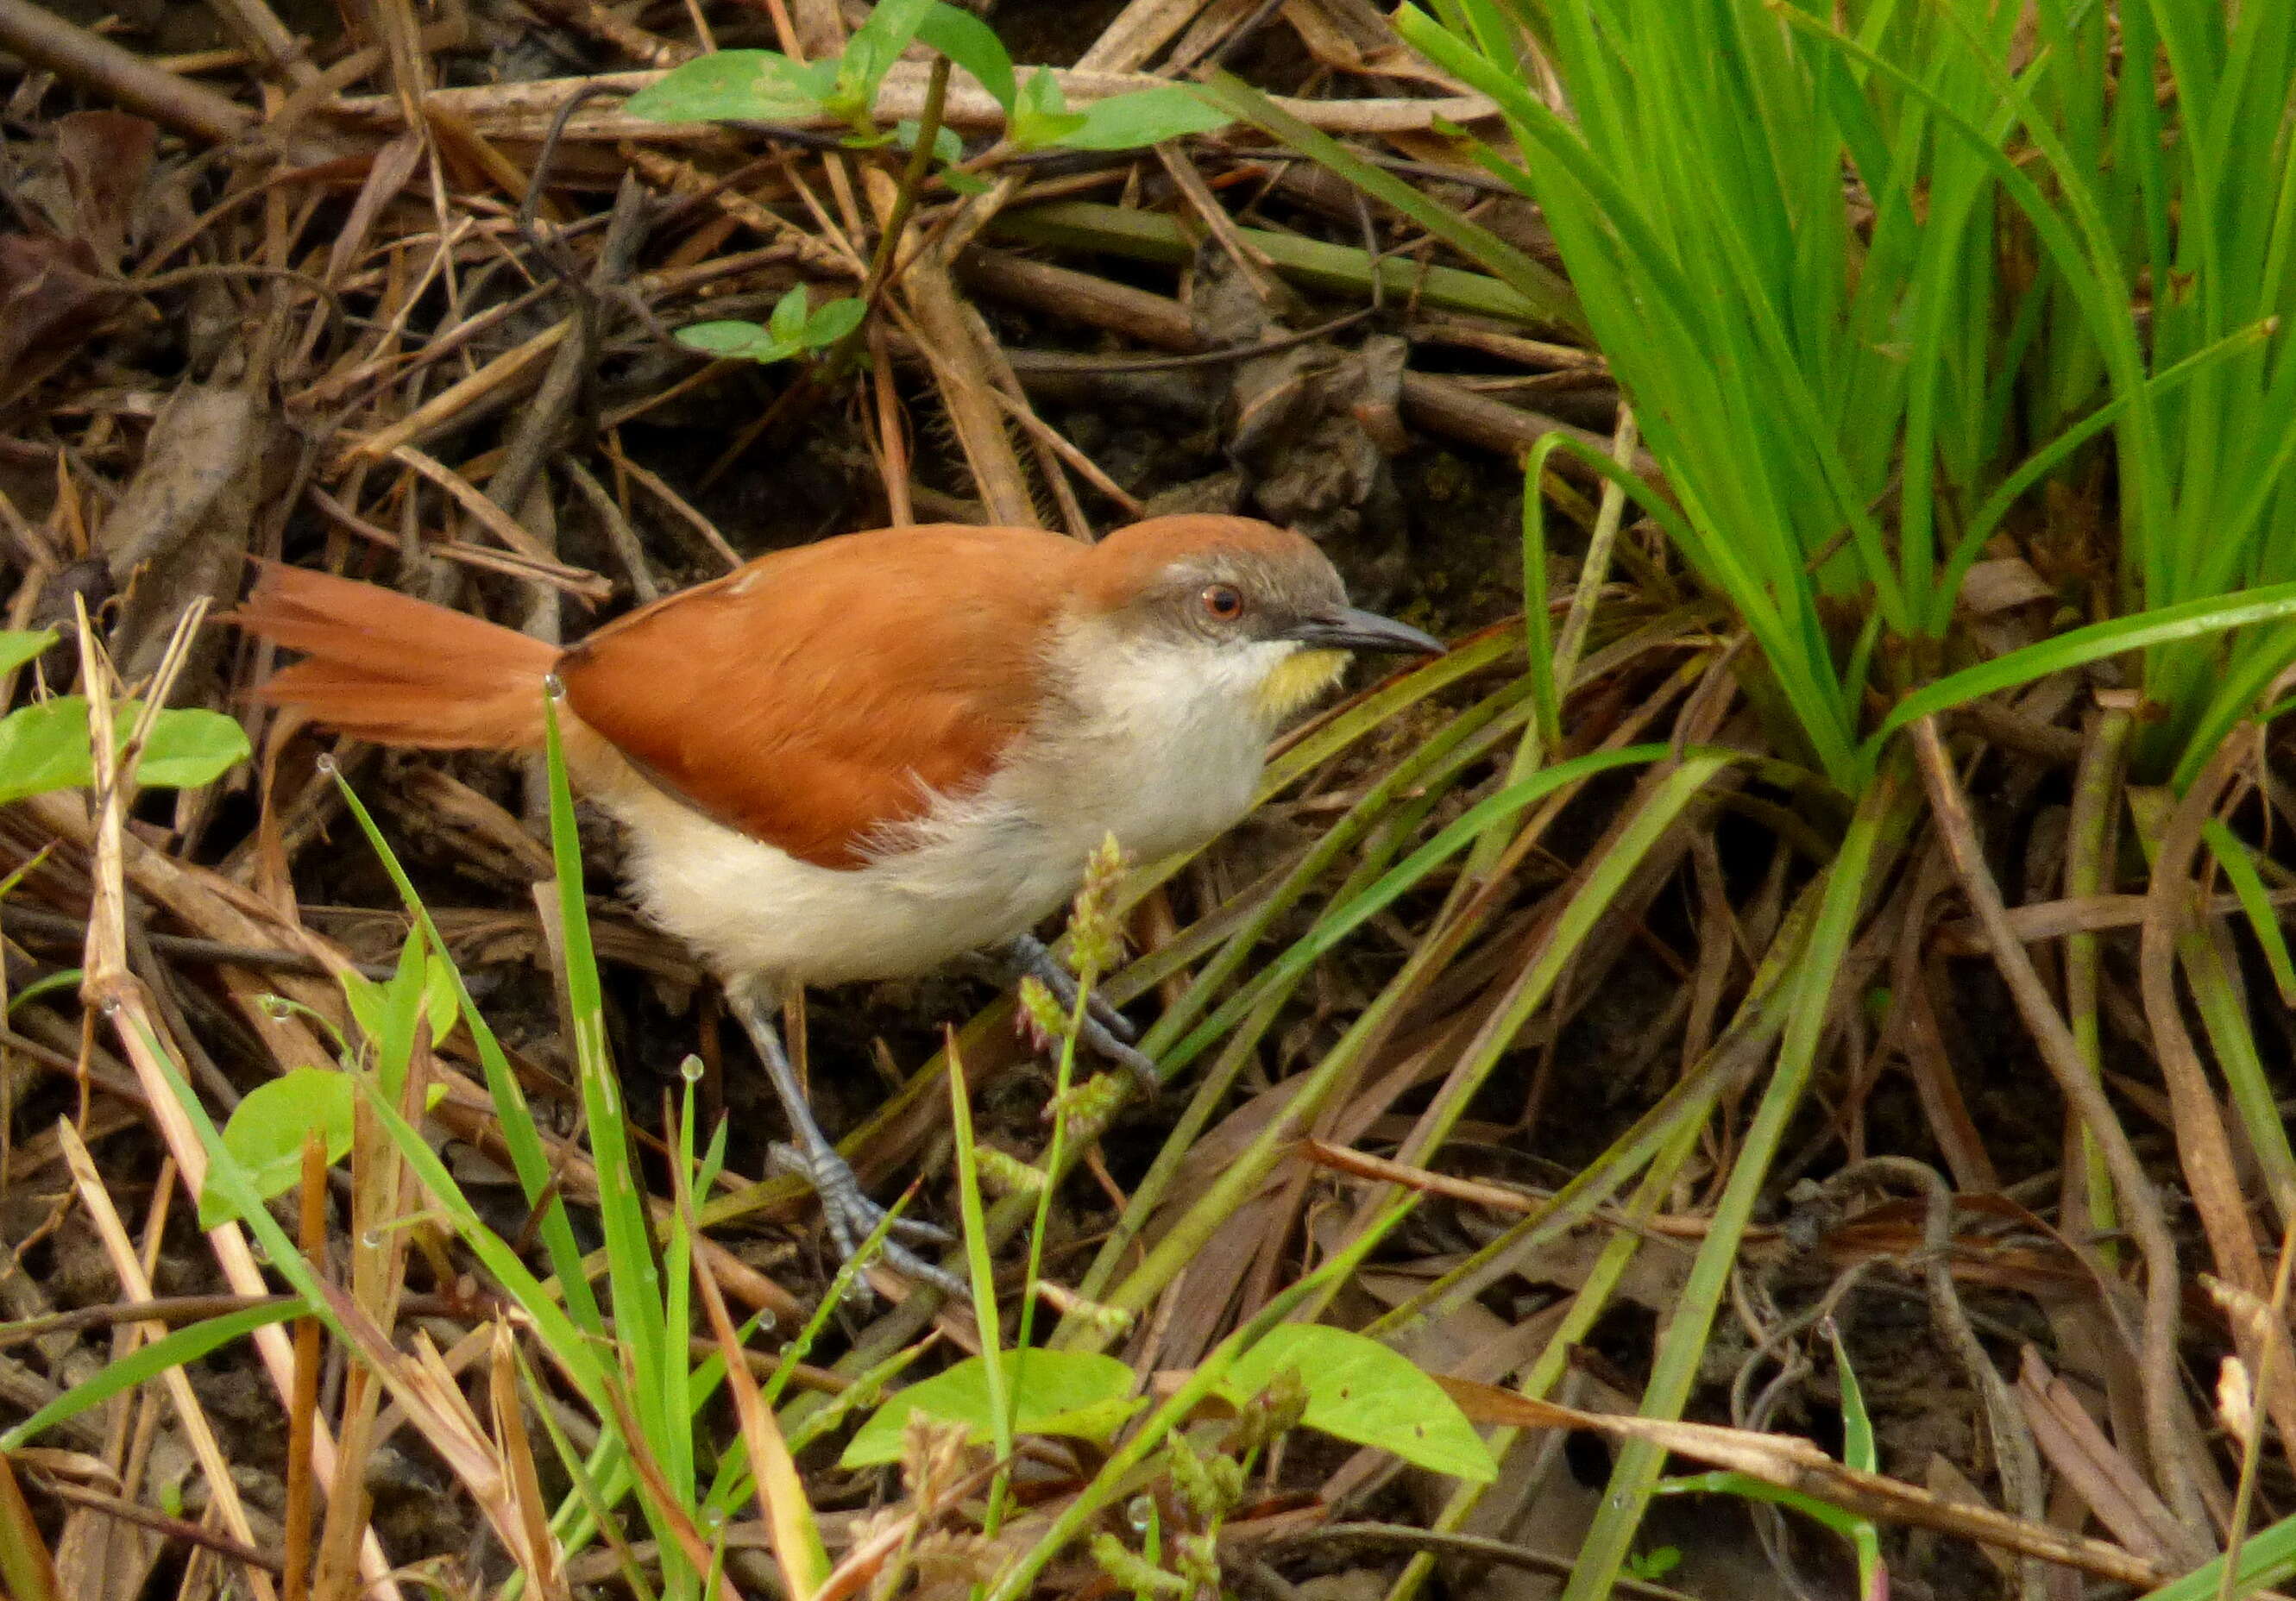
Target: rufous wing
x,y
814,696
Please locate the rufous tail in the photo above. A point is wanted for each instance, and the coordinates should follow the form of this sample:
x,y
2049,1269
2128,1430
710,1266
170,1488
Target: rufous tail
x,y
384,666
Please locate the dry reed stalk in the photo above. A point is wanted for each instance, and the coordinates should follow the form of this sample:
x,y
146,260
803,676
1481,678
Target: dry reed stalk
x,y
115,993
135,1284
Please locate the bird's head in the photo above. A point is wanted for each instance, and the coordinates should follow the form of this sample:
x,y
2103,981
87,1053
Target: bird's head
x,y
1247,608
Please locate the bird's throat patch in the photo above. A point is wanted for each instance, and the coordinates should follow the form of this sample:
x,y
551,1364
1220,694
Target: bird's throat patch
x,y
1297,679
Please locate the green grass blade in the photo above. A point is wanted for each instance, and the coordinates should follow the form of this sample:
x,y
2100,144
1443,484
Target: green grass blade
x,y
536,1174
1807,996
2194,620
570,1346
632,1268
1539,285
2255,900
983,1275
1340,922
174,1349
2265,1559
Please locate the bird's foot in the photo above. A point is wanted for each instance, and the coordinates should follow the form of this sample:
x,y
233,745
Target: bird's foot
x,y
853,1217
1107,1033
1137,1064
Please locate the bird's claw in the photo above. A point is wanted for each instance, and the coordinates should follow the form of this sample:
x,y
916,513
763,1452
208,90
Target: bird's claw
x,y
1111,1045
909,1265
1100,1009
1119,1050
1107,1033
853,1217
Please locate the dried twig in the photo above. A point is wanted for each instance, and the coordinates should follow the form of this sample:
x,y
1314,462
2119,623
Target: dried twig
x,y
189,1415
2171,1463
116,994
46,39
524,109
1792,1463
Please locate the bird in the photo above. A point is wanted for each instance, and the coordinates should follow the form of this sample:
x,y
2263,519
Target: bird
x,y
878,753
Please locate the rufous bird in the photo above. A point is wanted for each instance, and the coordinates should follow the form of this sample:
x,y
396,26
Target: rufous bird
x,y
866,757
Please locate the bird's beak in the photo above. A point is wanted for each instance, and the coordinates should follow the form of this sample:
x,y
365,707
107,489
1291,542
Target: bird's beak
x,y
1354,630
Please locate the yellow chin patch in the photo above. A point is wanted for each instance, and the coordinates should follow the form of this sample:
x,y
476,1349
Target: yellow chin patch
x,y
1297,680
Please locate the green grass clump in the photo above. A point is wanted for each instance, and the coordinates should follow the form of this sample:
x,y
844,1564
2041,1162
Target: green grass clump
x,y
1891,287
1871,275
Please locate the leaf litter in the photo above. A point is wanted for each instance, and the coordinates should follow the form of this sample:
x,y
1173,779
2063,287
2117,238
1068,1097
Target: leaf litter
x,y
443,354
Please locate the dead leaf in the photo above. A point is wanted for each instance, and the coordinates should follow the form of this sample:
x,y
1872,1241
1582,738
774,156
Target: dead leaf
x,y
53,300
107,160
2077,1449
182,528
1312,422
1301,434
2001,585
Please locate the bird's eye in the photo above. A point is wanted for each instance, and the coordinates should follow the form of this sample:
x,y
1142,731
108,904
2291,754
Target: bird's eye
x,y
1222,603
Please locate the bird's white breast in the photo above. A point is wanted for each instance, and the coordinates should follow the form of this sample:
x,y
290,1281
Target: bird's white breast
x,y
1159,743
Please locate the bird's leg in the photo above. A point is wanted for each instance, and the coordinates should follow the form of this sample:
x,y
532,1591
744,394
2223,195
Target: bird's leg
x,y
851,1215
1107,1031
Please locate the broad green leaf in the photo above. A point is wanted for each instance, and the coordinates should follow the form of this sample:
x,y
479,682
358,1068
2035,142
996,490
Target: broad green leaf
x,y
267,1129
1143,118
188,1343
875,46
891,25
1359,1389
1040,113
947,148
386,1013
832,320
366,1000
21,645
188,747
736,341
972,45
735,85
43,746
411,997
442,999
1074,1393
786,326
